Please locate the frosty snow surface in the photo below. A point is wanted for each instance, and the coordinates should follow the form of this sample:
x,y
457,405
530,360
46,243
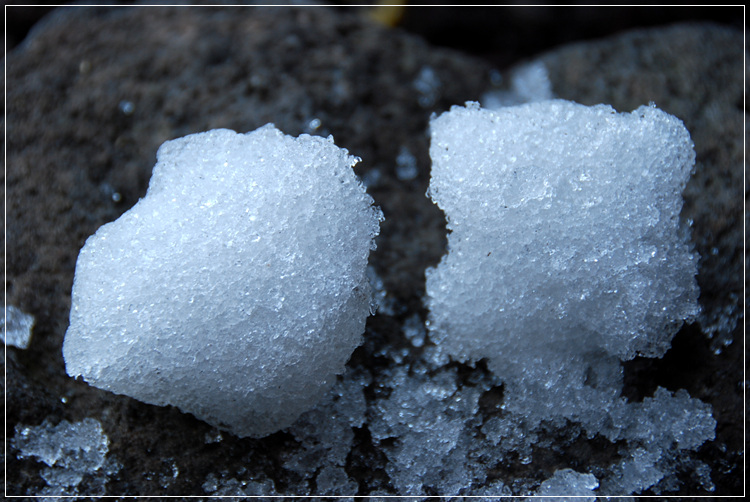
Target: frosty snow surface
x,y
565,257
236,288
565,233
71,452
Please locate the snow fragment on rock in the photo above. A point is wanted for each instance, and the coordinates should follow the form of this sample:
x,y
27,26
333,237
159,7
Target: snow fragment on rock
x,y
565,233
326,436
17,327
70,451
528,83
236,288
425,427
568,483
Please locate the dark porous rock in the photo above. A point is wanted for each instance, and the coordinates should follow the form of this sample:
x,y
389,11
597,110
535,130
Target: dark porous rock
x,y
93,92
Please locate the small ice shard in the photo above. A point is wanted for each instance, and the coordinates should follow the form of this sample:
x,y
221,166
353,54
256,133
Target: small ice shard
x,y
17,327
529,83
565,235
236,289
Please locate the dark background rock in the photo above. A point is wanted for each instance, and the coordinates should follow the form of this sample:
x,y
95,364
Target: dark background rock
x,y
93,92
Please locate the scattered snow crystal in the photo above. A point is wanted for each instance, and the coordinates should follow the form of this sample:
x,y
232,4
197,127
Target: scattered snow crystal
x,y
425,426
565,234
569,483
70,452
236,289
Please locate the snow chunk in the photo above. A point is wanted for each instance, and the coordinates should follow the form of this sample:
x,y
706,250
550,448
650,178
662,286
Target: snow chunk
x,y
667,420
236,289
566,257
16,328
70,451
568,483
565,234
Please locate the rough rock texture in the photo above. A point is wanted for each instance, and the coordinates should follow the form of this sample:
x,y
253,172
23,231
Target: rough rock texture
x,y
92,94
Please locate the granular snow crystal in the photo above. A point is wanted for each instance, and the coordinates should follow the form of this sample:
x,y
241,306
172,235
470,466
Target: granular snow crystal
x,y
236,288
565,233
566,256
71,452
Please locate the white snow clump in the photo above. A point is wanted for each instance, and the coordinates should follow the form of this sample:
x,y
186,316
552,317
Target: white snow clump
x,y
566,256
236,288
565,235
